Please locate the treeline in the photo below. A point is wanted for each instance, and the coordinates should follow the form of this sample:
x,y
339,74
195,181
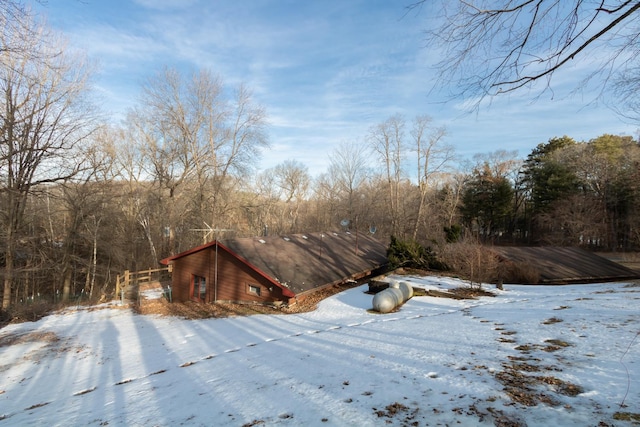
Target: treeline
x,y
82,200
75,236
564,193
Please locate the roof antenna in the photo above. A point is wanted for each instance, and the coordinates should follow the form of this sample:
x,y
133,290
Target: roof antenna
x,y
209,231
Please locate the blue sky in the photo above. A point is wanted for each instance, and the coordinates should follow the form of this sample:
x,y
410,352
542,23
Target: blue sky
x,y
326,71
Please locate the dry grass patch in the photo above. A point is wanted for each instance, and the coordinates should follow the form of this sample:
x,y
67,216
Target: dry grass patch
x,y
525,348
562,387
555,345
627,416
532,390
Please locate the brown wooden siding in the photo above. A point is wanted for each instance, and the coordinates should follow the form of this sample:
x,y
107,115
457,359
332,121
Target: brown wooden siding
x,y
183,271
234,278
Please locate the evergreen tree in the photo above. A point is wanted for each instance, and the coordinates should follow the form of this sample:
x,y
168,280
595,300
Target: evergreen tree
x,y
547,177
487,202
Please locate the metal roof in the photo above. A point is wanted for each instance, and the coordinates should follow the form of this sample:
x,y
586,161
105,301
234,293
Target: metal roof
x,y
305,261
567,264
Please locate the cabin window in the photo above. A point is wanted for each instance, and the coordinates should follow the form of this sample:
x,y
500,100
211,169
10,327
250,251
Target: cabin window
x,y
199,288
254,289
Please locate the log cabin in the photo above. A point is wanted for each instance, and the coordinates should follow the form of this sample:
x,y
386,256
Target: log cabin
x,y
273,269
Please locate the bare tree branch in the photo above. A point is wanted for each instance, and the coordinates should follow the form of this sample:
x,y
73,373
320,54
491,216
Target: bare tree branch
x,y
44,120
491,47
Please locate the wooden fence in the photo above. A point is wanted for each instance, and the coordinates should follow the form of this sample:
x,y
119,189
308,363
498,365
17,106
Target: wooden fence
x,y
128,283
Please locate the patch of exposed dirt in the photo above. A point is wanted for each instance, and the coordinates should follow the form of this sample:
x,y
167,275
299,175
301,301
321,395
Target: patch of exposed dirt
x,y
455,293
472,292
627,416
554,345
11,339
523,388
500,418
47,344
391,410
195,310
528,383
406,414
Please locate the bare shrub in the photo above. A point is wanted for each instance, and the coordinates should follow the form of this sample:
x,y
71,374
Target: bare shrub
x,y
472,261
28,312
519,272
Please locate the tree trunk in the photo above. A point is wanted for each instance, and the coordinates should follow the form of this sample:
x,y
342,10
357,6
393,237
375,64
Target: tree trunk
x,y
8,272
423,197
66,283
94,261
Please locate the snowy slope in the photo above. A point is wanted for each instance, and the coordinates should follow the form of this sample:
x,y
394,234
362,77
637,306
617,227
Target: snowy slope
x,y
434,362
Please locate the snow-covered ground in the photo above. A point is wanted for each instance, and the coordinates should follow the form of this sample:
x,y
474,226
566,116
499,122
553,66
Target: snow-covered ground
x,y
574,350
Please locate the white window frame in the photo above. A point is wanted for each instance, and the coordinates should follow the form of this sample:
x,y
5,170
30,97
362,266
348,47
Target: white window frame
x,y
254,289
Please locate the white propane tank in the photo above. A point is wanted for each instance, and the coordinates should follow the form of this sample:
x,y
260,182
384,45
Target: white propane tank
x,y
384,302
407,290
395,295
398,295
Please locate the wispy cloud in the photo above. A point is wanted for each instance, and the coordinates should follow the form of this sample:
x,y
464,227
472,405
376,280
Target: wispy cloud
x,y
325,71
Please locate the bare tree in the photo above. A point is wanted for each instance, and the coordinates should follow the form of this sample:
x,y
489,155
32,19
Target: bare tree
x,y
349,169
293,180
233,156
387,141
19,35
502,163
326,202
608,168
261,210
132,183
87,203
44,121
168,127
493,47
574,220
450,198
433,158
191,135
170,122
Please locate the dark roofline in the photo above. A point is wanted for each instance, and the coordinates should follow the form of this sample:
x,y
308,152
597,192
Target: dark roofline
x,y
167,260
285,291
